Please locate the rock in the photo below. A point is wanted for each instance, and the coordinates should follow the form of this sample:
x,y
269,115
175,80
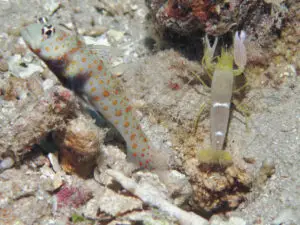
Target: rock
x,y
114,35
79,145
111,157
111,203
20,69
47,84
55,178
6,163
177,184
155,196
25,121
287,216
3,65
15,185
149,217
54,162
218,189
102,40
51,5
217,220
266,170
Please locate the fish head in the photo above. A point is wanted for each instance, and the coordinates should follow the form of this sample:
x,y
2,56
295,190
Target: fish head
x,y
47,41
32,35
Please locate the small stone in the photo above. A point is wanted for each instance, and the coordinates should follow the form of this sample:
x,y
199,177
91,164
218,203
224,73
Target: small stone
x,y
57,181
20,69
102,40
3,65
287,216
6,163
47,84
54,162
51,5
111,203
217,220
94,32
114,35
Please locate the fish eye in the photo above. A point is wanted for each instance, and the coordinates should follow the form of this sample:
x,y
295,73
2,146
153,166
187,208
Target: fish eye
x,y
48,31
42,20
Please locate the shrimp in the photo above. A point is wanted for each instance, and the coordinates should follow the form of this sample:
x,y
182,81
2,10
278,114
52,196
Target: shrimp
x,y
222,85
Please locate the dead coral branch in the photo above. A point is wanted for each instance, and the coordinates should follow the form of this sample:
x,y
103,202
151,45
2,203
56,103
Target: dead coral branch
x,y
150,195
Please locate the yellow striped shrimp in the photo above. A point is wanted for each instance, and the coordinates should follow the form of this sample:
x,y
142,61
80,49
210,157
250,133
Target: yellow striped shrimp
x,y
222,86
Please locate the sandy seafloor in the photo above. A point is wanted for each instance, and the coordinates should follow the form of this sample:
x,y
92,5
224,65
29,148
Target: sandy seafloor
x,y
273,131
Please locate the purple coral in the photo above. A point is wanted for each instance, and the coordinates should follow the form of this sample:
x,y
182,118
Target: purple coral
x,y
69,196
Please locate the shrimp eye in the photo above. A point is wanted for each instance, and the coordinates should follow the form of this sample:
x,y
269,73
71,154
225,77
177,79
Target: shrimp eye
x,y
48,31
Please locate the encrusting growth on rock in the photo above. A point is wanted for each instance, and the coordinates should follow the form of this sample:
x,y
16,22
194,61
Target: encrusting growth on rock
x,y
79,145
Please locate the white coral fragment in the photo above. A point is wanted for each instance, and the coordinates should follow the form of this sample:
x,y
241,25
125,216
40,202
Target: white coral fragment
x,y
152,196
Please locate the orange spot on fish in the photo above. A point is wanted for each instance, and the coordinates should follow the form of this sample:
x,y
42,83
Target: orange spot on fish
x,y
115,102
134,145
90,66
132,137
73,50
96,98
134,154
47,49
99,67
128,109
93,89
105,108
118,113
126,124
145,140
101,82
81,69
83,59
95,61
105,93
90,73
143,149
